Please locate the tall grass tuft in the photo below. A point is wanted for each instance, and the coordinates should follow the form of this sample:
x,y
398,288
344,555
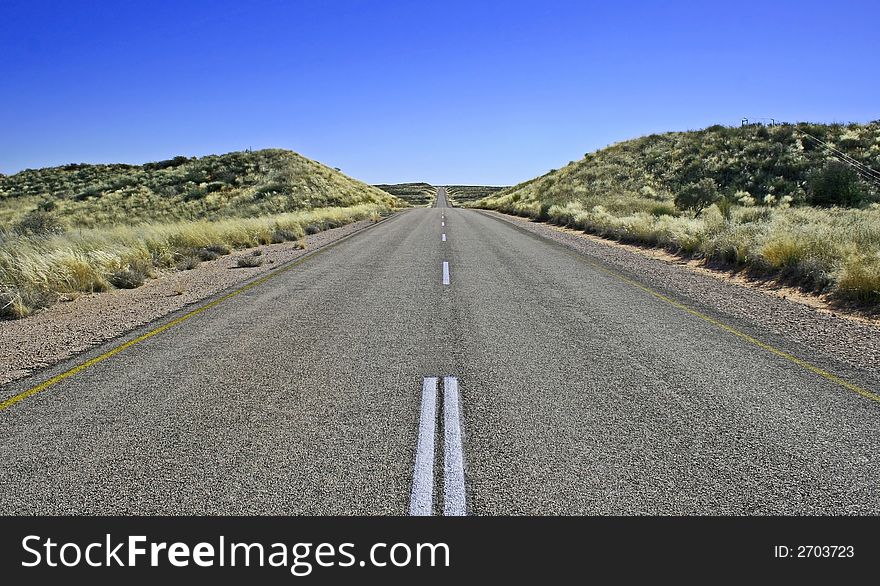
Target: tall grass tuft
x,y
35,270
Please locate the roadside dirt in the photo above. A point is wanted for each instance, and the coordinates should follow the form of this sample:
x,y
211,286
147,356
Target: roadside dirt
x,y
771,287
70,327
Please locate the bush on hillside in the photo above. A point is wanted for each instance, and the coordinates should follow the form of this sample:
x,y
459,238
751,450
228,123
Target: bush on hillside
x,y
39,223
747,193
216,187
698,196
836,184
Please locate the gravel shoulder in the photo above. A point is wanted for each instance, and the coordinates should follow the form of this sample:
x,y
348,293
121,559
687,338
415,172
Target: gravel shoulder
x,y
803,322
71,327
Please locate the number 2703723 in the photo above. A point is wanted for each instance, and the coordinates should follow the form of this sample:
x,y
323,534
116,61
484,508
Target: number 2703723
x,y
814,551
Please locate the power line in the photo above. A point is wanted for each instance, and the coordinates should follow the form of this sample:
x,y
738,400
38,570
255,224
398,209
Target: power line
x,y
865,171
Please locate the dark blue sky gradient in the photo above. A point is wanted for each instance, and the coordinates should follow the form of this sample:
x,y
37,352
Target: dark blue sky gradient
x,y
446,92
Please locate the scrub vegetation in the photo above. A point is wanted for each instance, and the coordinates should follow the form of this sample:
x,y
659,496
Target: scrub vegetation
x,y
416,194
793,202
423,194
88,228
465,194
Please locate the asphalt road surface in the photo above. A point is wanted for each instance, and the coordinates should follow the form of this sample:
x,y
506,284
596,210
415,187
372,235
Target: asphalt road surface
x,y
442,362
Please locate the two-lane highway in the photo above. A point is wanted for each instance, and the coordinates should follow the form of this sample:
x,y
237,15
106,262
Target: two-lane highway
x,y
443,348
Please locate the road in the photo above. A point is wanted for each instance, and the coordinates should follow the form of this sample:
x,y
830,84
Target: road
x,y
359,383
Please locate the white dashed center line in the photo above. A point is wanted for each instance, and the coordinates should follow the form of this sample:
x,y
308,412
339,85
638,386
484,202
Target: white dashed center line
x,y
445,273
443,238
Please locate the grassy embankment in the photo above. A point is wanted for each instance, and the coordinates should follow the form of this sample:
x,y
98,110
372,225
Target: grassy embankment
x,y
770,200
87,228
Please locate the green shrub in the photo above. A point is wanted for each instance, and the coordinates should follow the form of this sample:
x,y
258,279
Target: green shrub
x,y
168,164
188,262
250,260
543,211
129,278
17,304
283,235
725,206
218,249
861,278
836,184
698,196
39,223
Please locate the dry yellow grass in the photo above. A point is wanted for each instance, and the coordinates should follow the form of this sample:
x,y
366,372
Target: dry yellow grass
x,y
36,270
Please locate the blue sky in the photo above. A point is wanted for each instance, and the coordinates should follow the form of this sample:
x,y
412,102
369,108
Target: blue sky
x,y
446,92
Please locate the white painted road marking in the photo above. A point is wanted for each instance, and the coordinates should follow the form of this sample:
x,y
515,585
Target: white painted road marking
x,y
442,223
453,459
421,500
445,273
443,238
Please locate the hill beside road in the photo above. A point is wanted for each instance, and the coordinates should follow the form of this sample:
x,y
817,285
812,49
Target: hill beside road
x,y
77,229
792,202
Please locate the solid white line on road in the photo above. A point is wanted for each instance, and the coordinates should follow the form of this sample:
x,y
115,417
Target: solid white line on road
x,y
443,238
445,273
421,500
453,460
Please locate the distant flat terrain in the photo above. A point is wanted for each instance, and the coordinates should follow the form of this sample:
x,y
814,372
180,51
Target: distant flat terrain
x,y
417,194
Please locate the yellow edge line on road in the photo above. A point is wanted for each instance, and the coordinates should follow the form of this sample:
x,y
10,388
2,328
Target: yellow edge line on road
x,y
112,352
742,335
